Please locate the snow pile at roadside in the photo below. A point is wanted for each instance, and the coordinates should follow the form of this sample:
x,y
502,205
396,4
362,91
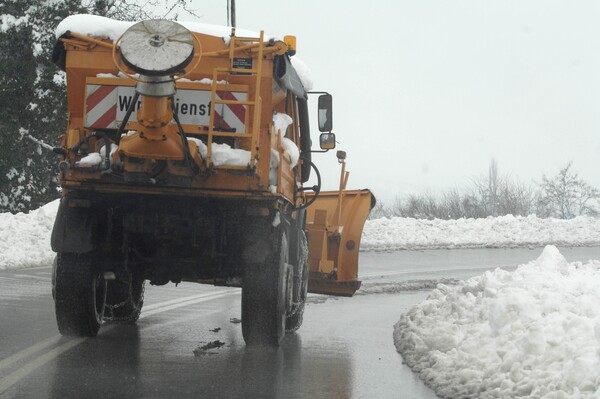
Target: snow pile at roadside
x,y
500,232
534,332
25,238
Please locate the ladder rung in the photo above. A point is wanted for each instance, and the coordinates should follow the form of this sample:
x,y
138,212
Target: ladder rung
x,y
246,39
242,102
234,167
242,70
231,134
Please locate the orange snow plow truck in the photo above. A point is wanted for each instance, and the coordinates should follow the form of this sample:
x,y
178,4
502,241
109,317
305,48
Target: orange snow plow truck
x,y
184,160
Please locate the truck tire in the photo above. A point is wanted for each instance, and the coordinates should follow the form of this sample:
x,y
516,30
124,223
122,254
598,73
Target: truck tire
x,y
124,299
54,263
266,295
80,291
300,258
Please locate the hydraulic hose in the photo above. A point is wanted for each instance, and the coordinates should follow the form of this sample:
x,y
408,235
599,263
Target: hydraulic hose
x,y
316,188
107,146
127,116
184,143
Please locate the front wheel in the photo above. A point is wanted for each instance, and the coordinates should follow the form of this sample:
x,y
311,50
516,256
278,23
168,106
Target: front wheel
x,y
80,295
266,294
299,256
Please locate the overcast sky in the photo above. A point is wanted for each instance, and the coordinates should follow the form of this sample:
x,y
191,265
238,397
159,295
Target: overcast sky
x,y
427,92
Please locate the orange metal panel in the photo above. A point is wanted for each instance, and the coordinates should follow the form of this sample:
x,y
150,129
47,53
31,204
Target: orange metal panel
x,y
343,236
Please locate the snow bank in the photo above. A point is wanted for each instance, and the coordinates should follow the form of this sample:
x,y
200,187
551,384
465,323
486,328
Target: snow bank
x,y
505,231
534,332
25,238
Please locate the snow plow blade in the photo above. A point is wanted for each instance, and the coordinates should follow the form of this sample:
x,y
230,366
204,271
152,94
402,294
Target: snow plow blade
x,y
334,225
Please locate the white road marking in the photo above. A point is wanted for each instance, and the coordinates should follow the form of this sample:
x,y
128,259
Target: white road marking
x,y
52,354
32,277
216,295
383,274
29,351
11,279
34,268
184,299
27,369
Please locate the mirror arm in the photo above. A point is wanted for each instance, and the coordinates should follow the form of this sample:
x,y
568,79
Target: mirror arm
x,y
312,188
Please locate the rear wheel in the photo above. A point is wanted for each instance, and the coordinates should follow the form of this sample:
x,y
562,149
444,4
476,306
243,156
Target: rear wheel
x,y
266,294
124,299
80,295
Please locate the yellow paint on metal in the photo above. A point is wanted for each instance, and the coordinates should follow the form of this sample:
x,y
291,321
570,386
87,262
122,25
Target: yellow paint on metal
x,y
334,227
334,221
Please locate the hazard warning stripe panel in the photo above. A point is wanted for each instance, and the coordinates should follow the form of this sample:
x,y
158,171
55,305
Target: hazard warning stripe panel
x,y
231,116
101,107
106,106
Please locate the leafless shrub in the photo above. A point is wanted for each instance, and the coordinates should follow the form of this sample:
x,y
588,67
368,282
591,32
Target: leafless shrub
x,y
564,196
381,210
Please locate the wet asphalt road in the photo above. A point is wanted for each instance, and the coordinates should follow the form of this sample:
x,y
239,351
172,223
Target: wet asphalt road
x,y
343,350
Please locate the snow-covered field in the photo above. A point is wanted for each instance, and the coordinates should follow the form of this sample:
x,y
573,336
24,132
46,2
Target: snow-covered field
x,y
533,332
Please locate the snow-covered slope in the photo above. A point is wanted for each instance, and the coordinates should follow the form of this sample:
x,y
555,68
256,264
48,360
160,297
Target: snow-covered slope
x,y
534,332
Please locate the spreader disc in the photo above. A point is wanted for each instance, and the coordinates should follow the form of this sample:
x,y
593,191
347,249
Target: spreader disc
x,y
157,47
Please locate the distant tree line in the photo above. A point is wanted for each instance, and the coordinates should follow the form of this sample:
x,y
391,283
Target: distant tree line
x,y
564,195
32,89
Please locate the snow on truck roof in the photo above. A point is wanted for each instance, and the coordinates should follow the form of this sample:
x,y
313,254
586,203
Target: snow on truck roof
x,y
102,27
97,26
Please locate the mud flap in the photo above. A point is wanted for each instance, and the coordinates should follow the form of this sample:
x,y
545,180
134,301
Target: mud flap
x,y
334,225
74,227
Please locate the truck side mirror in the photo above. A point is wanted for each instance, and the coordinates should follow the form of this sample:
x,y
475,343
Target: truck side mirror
x,y
327,141
326,113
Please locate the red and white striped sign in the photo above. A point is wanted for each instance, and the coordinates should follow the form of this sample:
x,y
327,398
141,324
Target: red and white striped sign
x,y
106,107
101,106
230,116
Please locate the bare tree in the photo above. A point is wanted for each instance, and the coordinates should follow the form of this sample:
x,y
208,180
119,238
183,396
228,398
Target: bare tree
x,y
130,10
566,195
492,199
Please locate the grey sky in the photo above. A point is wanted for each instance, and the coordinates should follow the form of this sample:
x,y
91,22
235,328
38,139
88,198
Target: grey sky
x,y
427,92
